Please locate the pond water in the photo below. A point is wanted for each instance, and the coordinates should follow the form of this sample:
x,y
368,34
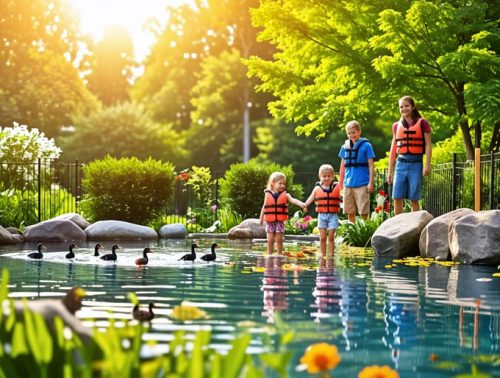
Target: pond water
x,y
421,318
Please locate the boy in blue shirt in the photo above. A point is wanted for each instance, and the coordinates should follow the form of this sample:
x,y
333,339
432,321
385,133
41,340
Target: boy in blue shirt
x,y
356,172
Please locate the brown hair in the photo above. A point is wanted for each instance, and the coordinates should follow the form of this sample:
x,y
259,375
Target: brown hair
x,y
415,114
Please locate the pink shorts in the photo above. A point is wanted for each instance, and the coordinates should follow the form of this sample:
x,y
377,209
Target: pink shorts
x,y
275,228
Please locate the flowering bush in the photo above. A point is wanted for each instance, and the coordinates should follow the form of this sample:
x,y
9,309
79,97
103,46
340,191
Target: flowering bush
x,y
298,225
383,206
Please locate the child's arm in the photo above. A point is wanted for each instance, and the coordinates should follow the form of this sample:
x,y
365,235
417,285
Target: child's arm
x,y
295,201
428,154
392,159
310,199
371,171
341,174
261,217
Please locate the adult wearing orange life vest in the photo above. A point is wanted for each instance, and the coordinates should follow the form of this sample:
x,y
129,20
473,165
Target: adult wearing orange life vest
x,y
275,210
326,194
410,142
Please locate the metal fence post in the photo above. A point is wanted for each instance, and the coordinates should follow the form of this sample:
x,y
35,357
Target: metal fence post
x,y
39,189
492,180
77,187
454,183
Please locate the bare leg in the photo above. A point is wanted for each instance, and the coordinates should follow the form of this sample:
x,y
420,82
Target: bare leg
x,y
270,242
415,206
351,218
322,241
398,206
331,242
279,243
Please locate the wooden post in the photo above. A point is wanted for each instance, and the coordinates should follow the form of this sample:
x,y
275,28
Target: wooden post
x,y
477,179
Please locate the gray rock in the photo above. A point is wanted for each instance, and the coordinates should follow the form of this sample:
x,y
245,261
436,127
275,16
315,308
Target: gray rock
x,y
7,238
173,231
238,232
75,218
399,236
248,229
14,231
475,238
434,237
54,230
119,230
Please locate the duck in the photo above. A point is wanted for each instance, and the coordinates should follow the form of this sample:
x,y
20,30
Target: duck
x,y
71,254
39,254
111,256
143,315
144,259
210,256
190,256
97,248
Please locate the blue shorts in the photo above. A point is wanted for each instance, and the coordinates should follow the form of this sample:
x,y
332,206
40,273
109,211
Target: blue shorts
x,y
407,183
330,221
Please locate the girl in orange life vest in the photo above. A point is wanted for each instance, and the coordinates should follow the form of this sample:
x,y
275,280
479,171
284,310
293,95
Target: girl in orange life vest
x,y
411,140
326,193
275,210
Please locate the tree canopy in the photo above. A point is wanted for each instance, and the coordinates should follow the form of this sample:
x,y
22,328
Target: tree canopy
x,y
342,60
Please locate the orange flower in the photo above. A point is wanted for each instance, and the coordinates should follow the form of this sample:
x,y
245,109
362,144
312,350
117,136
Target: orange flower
x,y
378,209
376,371
320,357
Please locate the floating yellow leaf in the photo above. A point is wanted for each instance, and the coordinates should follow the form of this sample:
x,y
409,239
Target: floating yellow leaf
x,y
496,274
187,312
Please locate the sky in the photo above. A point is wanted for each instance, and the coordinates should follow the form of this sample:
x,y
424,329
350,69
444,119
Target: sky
x,y
95,15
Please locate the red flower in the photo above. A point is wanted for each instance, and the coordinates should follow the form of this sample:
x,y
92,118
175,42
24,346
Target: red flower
x,y
378,209
382,193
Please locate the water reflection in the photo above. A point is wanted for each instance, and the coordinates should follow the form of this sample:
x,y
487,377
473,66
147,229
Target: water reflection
x,y
274,285
326,292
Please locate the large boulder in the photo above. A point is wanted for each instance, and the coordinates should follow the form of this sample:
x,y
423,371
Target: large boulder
x,y
119,230
75,218
434,237
173,231
54,230
248,229
398,236
6,237
475,238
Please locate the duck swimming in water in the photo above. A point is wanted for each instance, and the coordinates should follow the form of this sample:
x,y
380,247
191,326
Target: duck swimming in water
x,y
39,254
111,256
71,254
211,256
190,256
144,259
143,315
97,248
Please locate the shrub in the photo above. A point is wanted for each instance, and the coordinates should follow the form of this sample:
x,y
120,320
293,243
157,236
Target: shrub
x,y
126,189
244,183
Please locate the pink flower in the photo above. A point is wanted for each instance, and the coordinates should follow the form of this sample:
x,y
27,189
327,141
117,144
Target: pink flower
x,y
213,207
307,218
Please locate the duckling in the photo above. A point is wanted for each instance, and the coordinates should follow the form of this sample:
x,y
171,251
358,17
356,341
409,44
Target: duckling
x,y
111,256
97,248
39,254
190,256
143,315
144,259
71,254
210,256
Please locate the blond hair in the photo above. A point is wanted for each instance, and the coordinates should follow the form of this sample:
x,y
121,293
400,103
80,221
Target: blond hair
x,y
326,168
275,176
354,124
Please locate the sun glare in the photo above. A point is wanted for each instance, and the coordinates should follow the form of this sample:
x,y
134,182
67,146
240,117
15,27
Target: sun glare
x,y
96,15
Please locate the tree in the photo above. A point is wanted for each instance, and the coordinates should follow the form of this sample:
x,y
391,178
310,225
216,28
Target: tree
x,y
123,130
38,53
352,59
112,66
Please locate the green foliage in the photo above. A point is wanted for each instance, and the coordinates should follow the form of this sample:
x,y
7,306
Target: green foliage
x,y
243,185
123,130
228,219
200,181
298,225
126,189
359,234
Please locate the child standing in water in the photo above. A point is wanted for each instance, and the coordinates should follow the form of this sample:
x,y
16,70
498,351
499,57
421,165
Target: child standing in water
x,y
326,194
275,210
410,142
356,172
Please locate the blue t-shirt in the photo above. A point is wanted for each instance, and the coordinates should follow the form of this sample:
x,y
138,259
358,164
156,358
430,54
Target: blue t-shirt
x,y
356,176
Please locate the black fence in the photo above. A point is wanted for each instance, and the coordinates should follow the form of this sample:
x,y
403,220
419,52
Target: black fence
x,y
34,192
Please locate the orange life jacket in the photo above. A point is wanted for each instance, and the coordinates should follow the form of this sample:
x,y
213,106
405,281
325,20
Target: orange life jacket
x,y
410,140
275,209
327,200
